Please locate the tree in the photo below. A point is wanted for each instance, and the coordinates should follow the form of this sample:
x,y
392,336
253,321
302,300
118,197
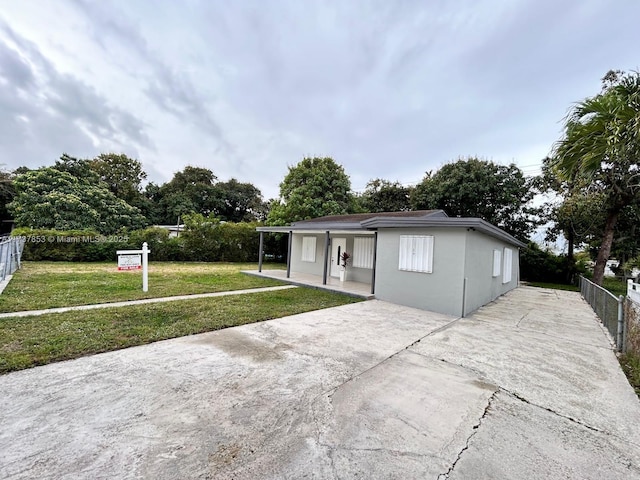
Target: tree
x,y
55,199
240,202
123,175
478,188
313,188
7,192
190,191
385,196
599,152
79,168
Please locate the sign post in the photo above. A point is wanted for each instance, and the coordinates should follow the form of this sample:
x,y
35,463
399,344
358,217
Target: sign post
x,y
136,260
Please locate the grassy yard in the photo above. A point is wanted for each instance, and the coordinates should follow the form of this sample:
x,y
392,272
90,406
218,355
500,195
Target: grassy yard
x,y
614,285
39,285
37,340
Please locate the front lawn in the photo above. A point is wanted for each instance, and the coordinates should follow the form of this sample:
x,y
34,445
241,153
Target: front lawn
x,y
36,340
40,285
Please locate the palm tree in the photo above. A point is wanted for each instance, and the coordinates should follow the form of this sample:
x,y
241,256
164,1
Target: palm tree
x,y
599,153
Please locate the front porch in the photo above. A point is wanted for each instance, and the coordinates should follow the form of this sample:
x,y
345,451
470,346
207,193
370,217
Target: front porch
x,y
354,289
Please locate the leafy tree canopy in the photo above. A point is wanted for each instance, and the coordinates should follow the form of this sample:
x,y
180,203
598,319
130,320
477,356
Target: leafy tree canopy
x,y
313,188
55,199
191,190
123,175
79,168
241,202
599,153
7,192
478,188
384,196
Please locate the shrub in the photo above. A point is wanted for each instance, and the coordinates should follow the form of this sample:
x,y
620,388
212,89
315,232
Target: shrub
x,y
69,245
205,239
537,265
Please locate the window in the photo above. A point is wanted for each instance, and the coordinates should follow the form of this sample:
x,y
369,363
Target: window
x,y
309,249
497,260
363,252
416,253
506,275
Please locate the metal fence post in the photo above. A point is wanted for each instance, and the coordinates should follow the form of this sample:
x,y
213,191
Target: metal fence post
x,y
620,336
6,259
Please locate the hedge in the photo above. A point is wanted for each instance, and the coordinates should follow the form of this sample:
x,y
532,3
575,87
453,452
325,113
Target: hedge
x,y
223,242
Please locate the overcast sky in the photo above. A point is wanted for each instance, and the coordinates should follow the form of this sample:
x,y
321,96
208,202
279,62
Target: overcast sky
x,y
389,89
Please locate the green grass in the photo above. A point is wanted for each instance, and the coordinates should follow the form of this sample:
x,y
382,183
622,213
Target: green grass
x,y
38,340
615,285
40,285
630,363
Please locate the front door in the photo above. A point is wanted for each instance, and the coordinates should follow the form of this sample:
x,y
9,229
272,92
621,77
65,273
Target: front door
x,y
338,245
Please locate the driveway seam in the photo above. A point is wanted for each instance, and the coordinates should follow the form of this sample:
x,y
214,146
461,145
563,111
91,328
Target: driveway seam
x,y
566,417
483,377
333,390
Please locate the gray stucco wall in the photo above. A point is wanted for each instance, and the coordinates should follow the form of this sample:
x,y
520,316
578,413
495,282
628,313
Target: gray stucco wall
x,y
440,291
362,275
297,265
481,286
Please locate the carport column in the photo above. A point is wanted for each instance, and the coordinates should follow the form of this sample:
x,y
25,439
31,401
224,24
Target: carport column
x,y
375,256
260,251
289,254
326,257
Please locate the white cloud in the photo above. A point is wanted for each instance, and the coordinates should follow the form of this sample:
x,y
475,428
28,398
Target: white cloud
x,y
388,89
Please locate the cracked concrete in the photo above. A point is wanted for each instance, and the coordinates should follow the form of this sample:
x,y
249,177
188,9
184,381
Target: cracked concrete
x,y
527,387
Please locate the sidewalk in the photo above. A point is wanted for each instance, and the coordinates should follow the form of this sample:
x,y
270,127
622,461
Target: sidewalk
x,y
145,301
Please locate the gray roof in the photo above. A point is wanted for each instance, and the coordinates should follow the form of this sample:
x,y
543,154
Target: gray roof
x,y
355,221
413,219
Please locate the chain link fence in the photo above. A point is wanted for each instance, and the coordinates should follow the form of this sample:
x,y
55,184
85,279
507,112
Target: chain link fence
x,y
10,255
607,307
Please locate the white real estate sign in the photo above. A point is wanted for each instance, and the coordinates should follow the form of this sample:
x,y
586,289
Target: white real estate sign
x,y
136,260
130,261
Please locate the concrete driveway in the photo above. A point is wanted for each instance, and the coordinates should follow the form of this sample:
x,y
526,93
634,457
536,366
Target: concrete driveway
x,y
528,387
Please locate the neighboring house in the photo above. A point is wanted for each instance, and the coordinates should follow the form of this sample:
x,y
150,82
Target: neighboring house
x,y
174,230
422,259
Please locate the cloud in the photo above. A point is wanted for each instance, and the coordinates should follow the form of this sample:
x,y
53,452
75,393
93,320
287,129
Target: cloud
x,y
388,89
48,110
170,88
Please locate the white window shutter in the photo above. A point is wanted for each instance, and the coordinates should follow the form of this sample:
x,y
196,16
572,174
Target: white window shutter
x,y
416,253
363,252
497,262
508,265
309,249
